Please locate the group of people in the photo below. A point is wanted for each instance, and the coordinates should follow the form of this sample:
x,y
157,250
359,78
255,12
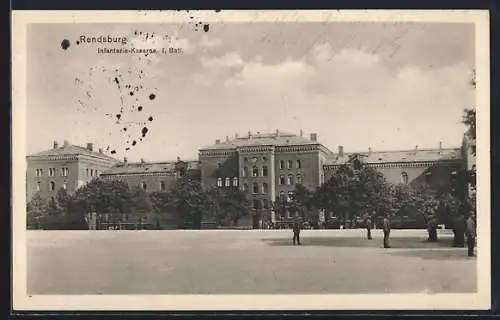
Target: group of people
x,y
469,230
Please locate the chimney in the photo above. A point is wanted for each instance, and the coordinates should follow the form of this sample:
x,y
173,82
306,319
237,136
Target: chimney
x,y
90,146
236,136
416,147
370,150
100,150
440,146
125,159
341,151
249,134
227,138
56,145
143,161
178,158
277,133
314,137
217,141
301,133
66,143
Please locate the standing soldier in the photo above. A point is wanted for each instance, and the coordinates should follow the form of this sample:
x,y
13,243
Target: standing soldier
x,y
387,230
296,229
470,232
368,222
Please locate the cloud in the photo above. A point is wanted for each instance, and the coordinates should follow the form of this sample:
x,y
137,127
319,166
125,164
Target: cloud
x,y
206,42
228,60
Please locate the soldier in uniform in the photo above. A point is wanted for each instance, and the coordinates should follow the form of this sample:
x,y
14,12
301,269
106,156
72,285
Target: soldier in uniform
x,y
368,222
387,230
296,229
470,232
432,228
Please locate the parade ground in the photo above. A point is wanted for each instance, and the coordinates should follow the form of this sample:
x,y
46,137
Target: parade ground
x,y
245,262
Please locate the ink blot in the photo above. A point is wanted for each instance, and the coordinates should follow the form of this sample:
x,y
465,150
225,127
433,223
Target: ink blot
x,y
144,131
152,96
124,129
118,116
131,93
150,118
65,44
113,151
77,43
139,108
206,27
134,143
117,81
127,148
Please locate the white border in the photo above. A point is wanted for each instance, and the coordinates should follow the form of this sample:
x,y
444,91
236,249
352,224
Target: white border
x,y
21,301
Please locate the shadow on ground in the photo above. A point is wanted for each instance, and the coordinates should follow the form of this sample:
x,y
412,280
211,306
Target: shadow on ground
x,y
400,242
450,254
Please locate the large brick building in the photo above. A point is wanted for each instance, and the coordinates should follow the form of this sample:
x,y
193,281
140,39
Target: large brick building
x,y
264,165
67,166
152,176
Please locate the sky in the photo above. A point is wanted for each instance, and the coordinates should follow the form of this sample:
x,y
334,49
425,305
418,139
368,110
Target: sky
x,y
387,86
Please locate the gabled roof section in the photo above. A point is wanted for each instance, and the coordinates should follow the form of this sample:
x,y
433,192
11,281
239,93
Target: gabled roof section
x,y
72,150
262,139
420,155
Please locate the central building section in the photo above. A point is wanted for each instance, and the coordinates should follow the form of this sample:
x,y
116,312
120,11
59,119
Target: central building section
x,y
266,166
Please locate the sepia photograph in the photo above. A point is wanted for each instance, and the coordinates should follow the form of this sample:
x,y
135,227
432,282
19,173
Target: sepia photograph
x,y
188,160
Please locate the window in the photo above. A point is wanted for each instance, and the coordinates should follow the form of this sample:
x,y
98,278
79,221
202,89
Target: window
x,y
290,179
264,159
64,172
404,178
228,182
162,185
219,182
322,177
299,165
289,196
65,185
282,195
91,172
264,171
97,173
282,179
235,182
264,188
245,171
88,172
282,164
255,188
256,204
38,186
255,171
299,178
52,186
245,188
290,164
39,172
144,186
52,172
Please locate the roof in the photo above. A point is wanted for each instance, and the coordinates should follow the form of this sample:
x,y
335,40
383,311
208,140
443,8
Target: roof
x,y
400,156
147,167
262,139
72,150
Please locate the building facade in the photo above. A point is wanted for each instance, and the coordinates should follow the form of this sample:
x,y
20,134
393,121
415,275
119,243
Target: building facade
x,y
68,167
152,176
265,166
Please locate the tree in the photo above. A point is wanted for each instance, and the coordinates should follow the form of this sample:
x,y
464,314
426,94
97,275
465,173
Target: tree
x,y
227,205
353,190
142,207
469,120
188,201
302,201
36,209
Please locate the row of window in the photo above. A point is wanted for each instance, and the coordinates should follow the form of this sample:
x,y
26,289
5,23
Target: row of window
x,y
227,182
52,186
264,188
256,171
92,172
291,179
52,172
298,164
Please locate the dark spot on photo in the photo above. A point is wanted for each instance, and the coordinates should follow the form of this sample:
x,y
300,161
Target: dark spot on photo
x,y
206,27
117,81
113,151
152,96
131,93
127,148
150,118
118,116
124,129
77,42
134,143
217,10
65,44
139,108
144,131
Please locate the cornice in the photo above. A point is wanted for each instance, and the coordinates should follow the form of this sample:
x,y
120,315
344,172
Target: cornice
x,y
124,175
415,164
